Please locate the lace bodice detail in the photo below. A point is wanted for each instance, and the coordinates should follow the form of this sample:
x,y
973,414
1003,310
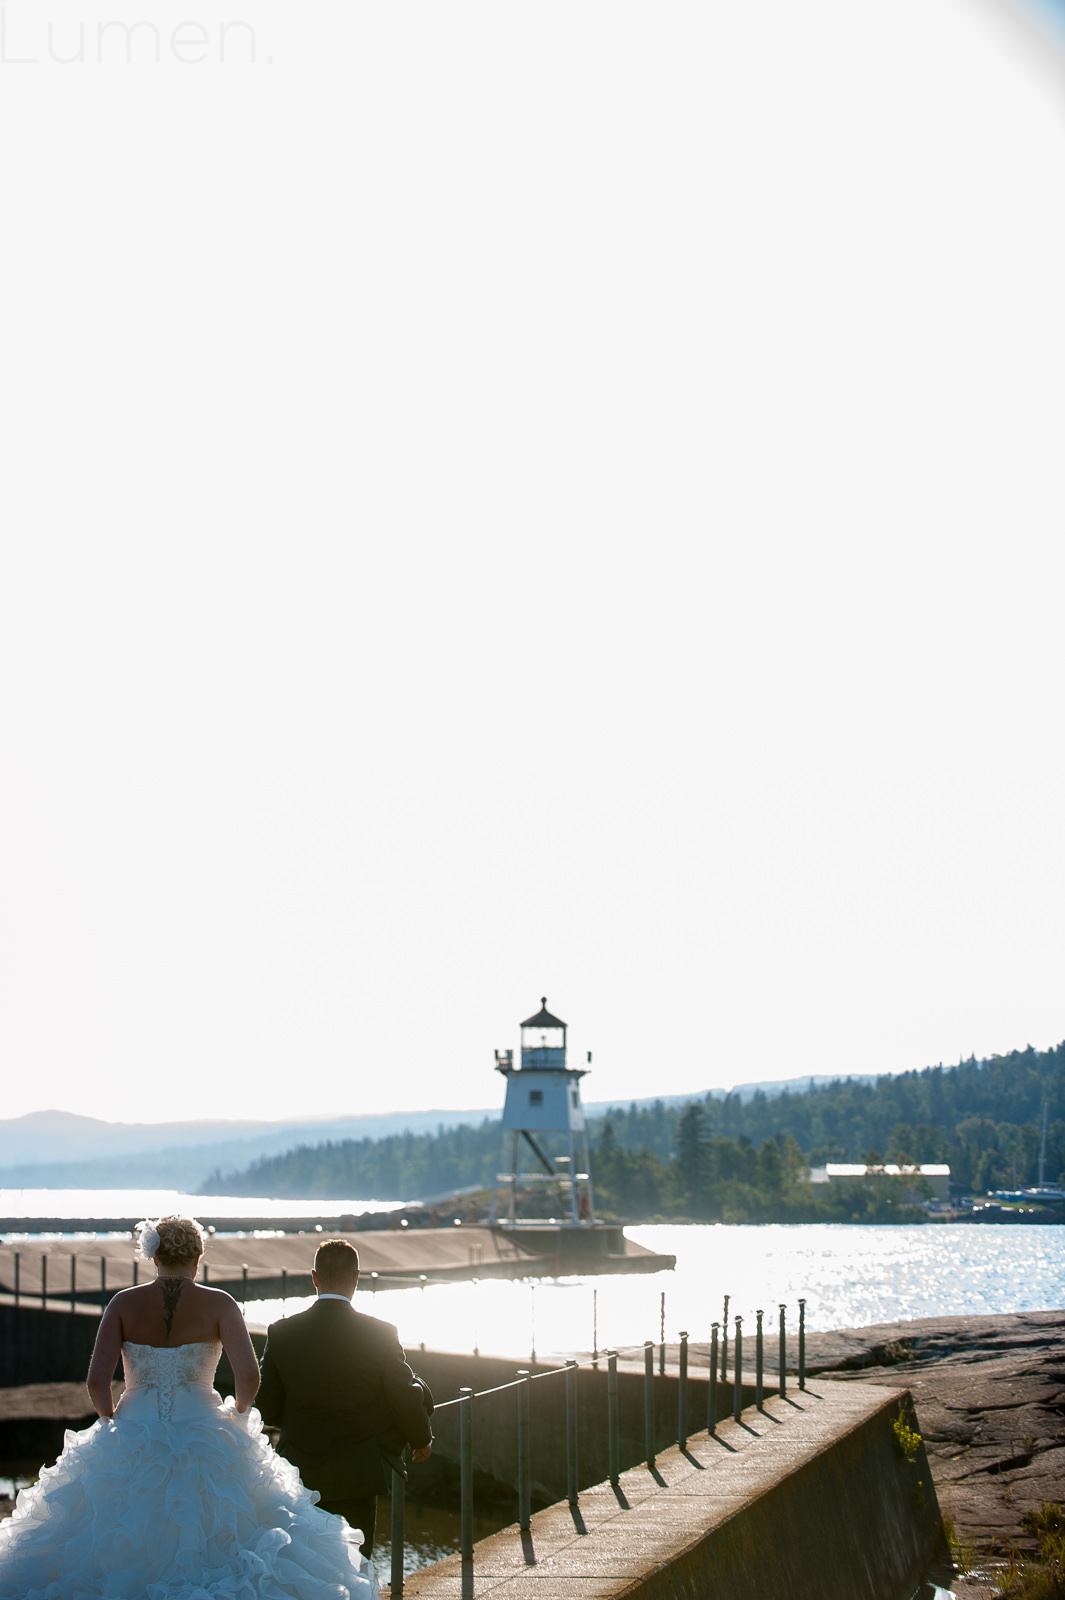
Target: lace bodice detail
x,y
168,1371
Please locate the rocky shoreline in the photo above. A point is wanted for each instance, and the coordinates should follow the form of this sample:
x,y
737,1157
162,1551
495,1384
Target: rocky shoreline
x,y
990,1398
989,1391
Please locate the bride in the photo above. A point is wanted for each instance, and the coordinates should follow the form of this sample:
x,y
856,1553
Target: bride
x,y
173,1495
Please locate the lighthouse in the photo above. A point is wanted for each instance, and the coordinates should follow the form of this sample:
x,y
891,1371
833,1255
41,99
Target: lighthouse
x,y
545,1121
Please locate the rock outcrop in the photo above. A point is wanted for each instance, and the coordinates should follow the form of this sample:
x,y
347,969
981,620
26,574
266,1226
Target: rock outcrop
x,y
990,1397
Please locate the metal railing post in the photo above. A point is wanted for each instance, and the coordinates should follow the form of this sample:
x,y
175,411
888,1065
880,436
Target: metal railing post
x,y
244,1283
571,1432
73,1280
284,1288
17,1264
44,1280
758,1362
399,1507
612,1443
524,1454
135,1274
466,1475
802,1344
737,1372
783,1383
662,1336
103,1284
682,1394
595,1329
724,1341
711,1388
203,1274
649,1401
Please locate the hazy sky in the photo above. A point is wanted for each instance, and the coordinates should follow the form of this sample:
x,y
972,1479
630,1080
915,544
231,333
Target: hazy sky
x,y
505,499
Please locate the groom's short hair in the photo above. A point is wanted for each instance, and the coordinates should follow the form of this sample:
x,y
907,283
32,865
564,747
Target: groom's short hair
x,y
336,1258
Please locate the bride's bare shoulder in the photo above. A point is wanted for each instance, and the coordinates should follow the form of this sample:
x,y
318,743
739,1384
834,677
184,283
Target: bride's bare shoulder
x,y
131,1296
217,1294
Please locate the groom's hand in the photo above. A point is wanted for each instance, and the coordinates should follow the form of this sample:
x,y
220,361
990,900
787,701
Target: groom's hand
x,y
422,1453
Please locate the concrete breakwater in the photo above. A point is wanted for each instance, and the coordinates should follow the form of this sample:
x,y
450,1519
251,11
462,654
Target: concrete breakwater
x,y
811,1498
264,1269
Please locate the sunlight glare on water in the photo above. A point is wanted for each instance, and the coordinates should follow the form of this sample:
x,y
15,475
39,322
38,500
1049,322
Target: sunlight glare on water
x,y
85,1205
849,1276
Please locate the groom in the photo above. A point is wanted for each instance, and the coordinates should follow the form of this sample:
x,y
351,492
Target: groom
x,y
346,1402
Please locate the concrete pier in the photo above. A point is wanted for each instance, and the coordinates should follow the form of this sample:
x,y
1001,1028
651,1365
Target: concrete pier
x,y
811,1499
400,1257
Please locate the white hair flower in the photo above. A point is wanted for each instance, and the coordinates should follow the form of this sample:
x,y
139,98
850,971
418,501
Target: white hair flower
x,y
147,1236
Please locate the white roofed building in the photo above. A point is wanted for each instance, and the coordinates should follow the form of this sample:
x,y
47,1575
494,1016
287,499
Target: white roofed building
x,y
937,1173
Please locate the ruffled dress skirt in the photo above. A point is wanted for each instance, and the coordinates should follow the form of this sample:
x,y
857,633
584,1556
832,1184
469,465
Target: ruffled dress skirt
x,y
190,1505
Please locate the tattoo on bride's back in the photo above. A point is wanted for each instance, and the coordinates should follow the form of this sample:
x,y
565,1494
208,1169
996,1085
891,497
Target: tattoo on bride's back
x,y
171,1288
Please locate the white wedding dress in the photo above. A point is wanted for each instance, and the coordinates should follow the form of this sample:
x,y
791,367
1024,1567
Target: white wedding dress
x,y
178,1497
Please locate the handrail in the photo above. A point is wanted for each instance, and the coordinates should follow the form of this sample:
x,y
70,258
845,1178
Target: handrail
x,y
568,1373
592,1362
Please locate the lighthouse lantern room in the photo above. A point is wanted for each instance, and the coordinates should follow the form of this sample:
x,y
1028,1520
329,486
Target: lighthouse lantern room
x,y
545,1120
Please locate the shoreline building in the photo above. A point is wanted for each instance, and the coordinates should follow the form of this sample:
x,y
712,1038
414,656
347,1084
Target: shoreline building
x,y
542,1112
936,1174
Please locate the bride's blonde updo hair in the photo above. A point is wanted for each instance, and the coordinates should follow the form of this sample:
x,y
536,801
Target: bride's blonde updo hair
x,y
174,1240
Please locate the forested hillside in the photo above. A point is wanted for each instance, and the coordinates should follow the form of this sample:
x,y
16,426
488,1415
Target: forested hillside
x,y
726,1159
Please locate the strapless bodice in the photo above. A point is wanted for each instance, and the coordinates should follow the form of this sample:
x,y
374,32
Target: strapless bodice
x,y
184,1369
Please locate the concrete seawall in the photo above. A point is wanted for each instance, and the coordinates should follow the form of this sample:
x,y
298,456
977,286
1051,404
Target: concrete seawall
x,y
811,1499
54,1344
494,1423
45,1346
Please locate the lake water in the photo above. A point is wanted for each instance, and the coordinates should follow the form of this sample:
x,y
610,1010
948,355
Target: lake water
x,y
89,1203
849,1276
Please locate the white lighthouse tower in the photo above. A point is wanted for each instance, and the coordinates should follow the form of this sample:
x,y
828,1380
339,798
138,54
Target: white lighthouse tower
x,y
543,1113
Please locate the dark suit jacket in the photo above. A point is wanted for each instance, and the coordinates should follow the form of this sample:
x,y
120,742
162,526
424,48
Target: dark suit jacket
x,y
336,1384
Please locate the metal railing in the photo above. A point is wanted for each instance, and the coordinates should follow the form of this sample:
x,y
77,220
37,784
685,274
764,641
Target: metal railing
x,y
522,1387
239,1278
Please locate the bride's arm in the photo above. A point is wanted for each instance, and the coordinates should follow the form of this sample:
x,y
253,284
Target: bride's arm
x,y
105,1354
236,1341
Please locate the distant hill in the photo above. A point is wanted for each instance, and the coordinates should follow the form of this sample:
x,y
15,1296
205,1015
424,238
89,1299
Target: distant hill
x,y
775,1087
61,1150
58,1150
51,1136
